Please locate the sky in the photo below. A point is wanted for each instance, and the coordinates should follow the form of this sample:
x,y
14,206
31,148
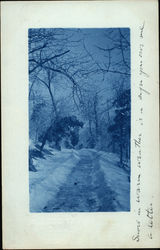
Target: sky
x,y
96,43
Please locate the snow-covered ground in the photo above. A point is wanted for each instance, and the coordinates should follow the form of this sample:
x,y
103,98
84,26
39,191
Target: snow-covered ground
x,y
78,180
117,179
52,173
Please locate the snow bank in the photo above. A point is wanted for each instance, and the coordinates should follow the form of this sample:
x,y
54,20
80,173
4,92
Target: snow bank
x,y
52,173
117,179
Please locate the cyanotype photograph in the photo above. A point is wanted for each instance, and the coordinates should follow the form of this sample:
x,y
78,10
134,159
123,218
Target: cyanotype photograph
x,y
79,119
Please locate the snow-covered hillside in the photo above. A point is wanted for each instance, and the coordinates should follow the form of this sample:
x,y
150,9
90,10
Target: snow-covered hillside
x,y
78,181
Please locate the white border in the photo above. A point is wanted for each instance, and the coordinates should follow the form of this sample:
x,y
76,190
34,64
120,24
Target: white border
x,y
22,229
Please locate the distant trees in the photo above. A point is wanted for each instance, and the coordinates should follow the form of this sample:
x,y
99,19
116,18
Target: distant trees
x,y
73,79
65,127
53,59
120,129
113,60
40,116
117,52
74,136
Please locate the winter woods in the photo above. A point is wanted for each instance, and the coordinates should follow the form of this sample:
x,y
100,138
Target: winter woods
x,y
79,89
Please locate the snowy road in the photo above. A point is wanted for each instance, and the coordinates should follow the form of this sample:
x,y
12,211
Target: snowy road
x,y
79,181
85,189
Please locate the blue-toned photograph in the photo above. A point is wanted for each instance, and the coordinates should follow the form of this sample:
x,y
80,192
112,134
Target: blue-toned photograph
x,y
79,119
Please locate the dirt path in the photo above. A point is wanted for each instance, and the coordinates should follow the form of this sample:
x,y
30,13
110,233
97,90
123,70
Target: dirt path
x,y
85,189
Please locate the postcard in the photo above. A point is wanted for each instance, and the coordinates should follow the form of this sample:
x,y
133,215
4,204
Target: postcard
x,y
80,124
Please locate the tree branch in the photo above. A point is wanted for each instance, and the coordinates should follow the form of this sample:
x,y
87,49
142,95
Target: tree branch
x,y
39,64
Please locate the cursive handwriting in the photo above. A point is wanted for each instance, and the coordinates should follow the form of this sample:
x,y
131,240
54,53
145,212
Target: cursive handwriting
x,y
137,142
141,70
149,214
136,236
141,30
138,189
142,73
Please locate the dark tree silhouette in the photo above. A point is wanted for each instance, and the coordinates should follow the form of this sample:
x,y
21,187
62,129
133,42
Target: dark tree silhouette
x,y
120,129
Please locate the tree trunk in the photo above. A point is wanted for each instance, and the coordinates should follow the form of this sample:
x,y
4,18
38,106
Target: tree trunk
x,y
58,147
90,128
53,102
43,142
121,154
56,117
45,138
121,146
96,117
